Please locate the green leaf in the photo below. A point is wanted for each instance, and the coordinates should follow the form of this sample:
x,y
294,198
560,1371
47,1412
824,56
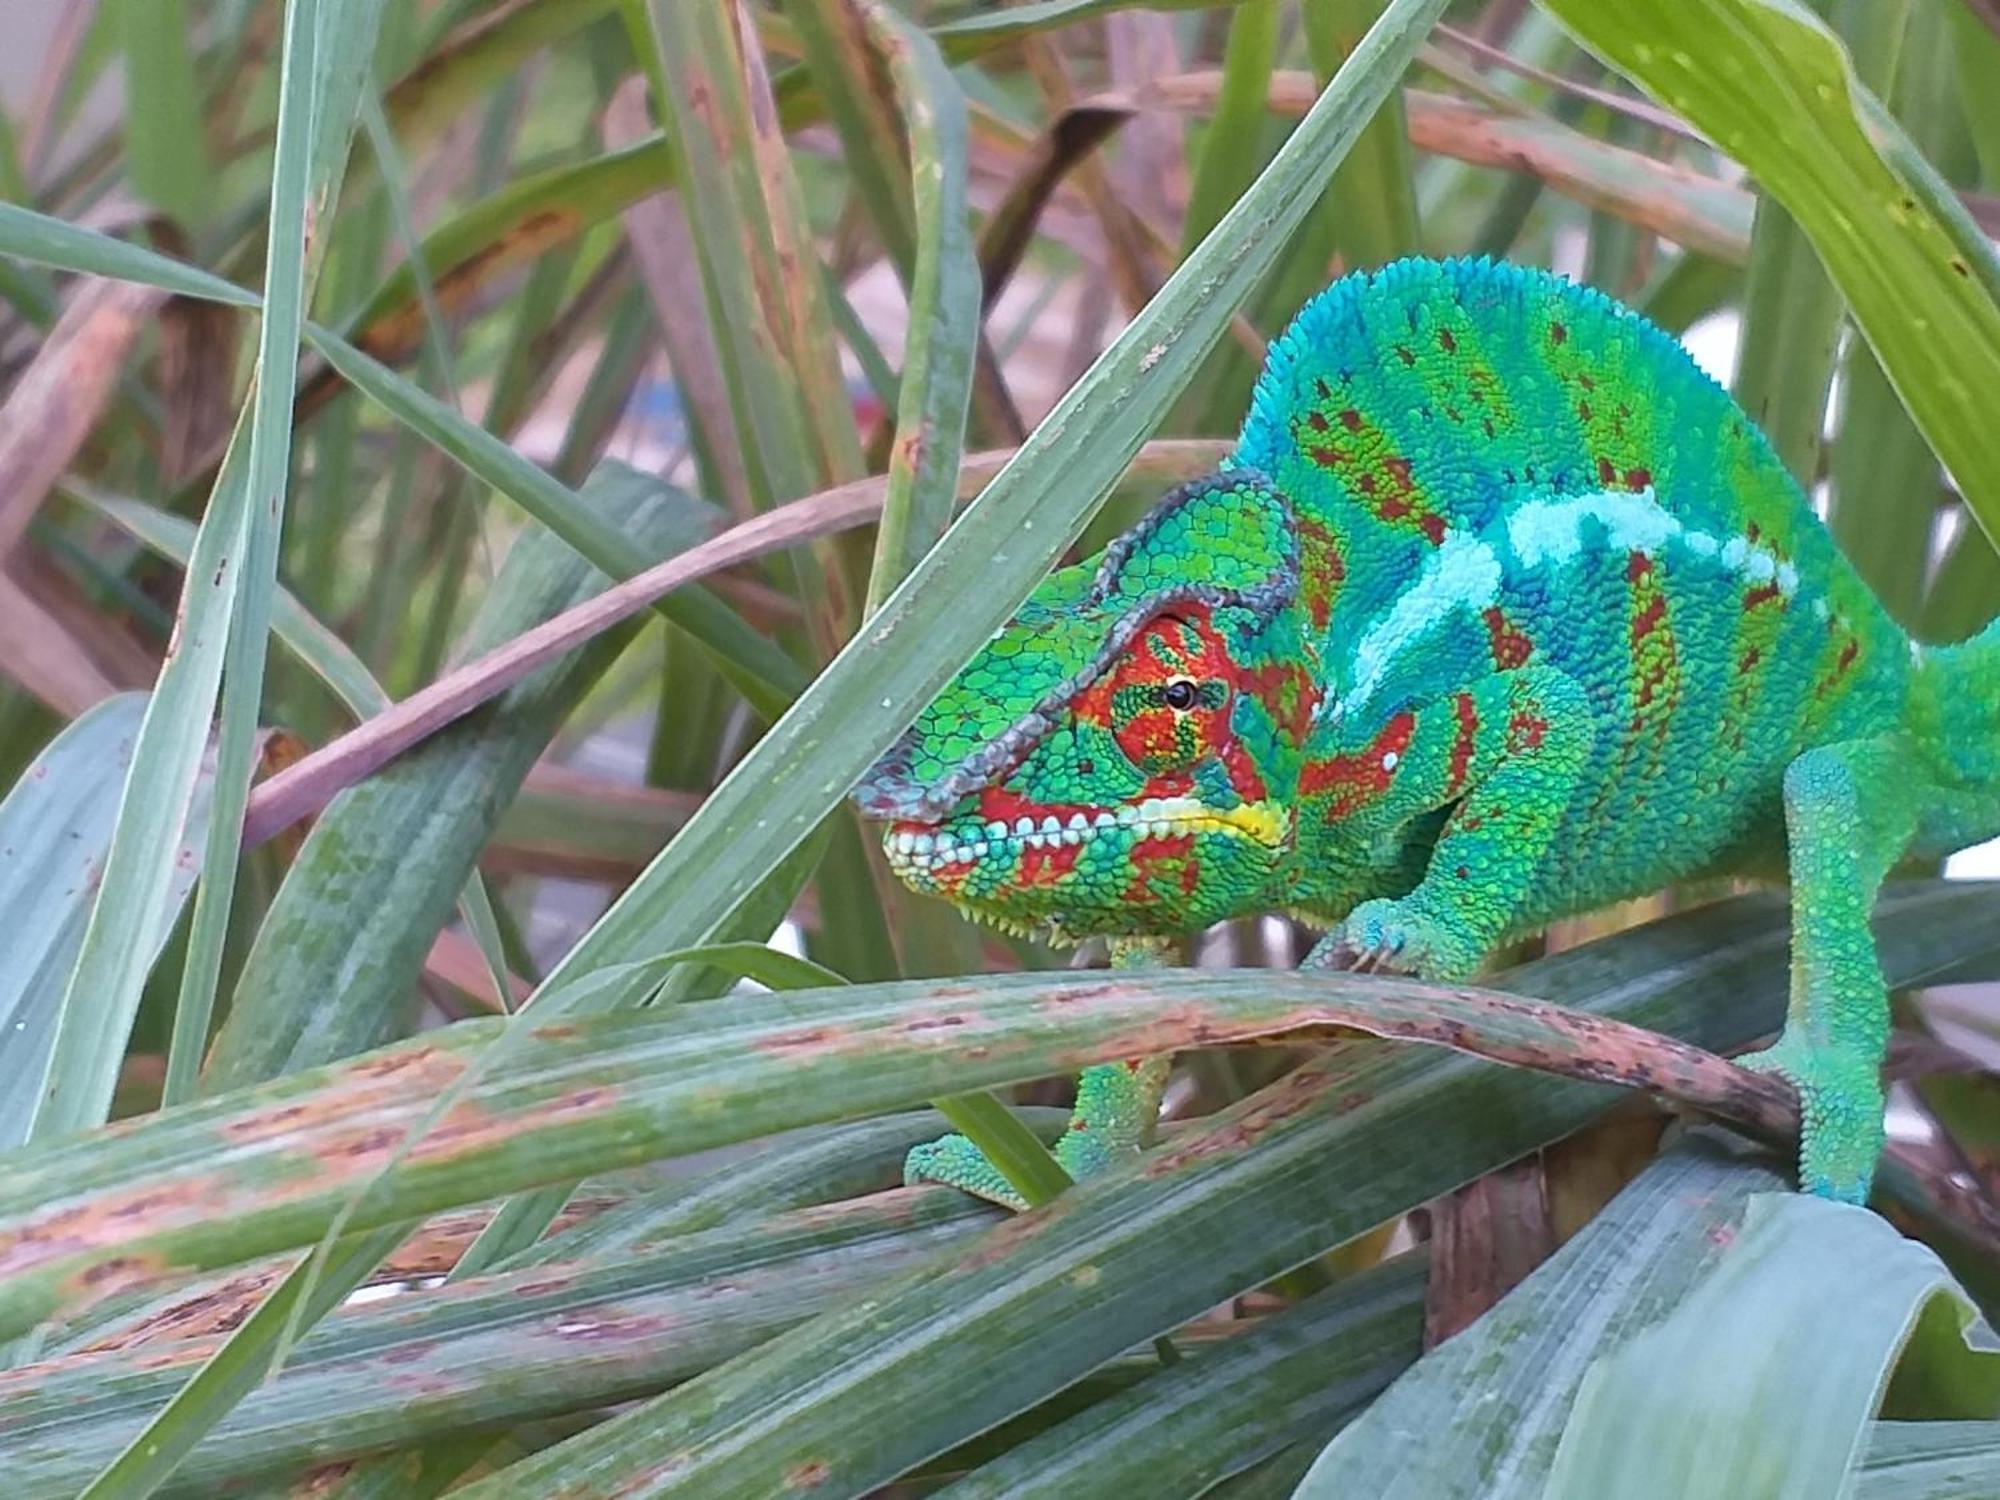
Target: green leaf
x,y
55,825
821,1166
1930,1461
165,151
943,342
1232,143
323,65
237,1368
1749,1386
334,966
225,609
318,649
538,1342
1301,1372
233,1179
1773,87
70,247
1680,1345
759,668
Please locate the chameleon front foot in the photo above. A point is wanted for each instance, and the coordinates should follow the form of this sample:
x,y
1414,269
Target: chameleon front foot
x,y
1394,937
1116,1107
1840,1106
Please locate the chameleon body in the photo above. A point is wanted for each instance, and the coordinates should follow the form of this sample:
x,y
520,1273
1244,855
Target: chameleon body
x,y
1499,610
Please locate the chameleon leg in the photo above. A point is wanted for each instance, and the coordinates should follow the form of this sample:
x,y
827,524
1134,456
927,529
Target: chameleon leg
x,y
1117,1107
1849,812
1511,752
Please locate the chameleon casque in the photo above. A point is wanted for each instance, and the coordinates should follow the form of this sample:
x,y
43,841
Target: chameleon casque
x,y
1499,610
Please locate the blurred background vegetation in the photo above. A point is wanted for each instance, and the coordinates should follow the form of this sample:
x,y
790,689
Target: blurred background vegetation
x,y
730,304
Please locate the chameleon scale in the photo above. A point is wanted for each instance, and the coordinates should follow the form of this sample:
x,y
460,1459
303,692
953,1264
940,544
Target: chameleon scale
x,y
1499,610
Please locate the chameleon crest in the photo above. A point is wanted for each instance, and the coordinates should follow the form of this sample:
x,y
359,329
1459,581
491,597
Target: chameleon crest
x,y
1500,610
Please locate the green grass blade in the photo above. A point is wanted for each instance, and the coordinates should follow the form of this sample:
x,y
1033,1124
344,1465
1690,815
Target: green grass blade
x,y
55,825
744,204
844,1161
237,1368
318,96
540,1342
1886,484
1965,592
1335,1149
48,241
1232,143
334,965
1301,1372
317,647
763,672
1775,88
1930,1461
1372,198
1631,1264
166,153
239,530
943,342
1791,310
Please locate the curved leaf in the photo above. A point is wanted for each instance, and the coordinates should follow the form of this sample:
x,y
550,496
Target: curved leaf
x,y
268,1168
55,826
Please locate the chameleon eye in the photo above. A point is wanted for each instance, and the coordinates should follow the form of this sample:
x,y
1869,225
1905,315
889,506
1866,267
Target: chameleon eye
x,y
1180,694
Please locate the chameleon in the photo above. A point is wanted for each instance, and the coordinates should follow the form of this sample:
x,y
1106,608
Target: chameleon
x,y
1499,610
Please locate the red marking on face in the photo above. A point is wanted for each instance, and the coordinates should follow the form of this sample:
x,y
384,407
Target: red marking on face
x,y
1467,713
1749,660
1162,860
1606,473
1048,864
1848,653
1406,354
1446,342
1525,731
1358,779
1558,333
1316,420
1763,593
1510,647
1350,418
1639,479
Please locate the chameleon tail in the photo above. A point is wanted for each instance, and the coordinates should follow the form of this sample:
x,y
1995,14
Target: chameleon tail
x,y
1956,713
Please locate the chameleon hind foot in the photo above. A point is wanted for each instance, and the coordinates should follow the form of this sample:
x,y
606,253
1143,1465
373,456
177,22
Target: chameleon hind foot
x,y
956,1162
1840,1106
1116,1107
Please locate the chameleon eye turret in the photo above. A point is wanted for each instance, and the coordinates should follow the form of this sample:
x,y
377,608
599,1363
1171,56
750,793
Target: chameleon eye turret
x,y
1500,610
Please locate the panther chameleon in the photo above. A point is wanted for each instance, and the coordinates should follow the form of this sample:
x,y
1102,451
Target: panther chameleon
x,y
1499,610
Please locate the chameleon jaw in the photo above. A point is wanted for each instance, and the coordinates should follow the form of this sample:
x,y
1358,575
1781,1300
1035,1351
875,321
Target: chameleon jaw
x,y
923,850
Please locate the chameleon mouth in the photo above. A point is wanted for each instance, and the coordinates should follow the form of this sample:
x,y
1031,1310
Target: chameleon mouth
x,y
927,849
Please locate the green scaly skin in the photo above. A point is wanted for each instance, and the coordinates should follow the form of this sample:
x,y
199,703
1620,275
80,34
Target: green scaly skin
x,y
1499,611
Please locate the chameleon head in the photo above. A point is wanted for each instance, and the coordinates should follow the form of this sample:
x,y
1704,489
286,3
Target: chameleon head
x,y
1121,758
